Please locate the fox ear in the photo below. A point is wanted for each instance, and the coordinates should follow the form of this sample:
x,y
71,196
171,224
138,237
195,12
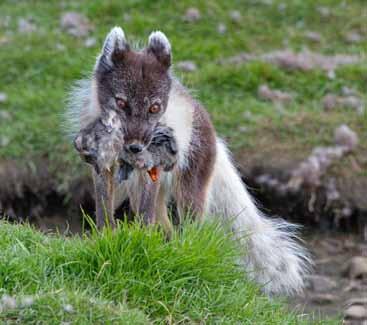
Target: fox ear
x,y
159,45
114,46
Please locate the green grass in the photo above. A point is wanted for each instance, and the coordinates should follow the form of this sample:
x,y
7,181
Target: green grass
x,y
37,74
131,276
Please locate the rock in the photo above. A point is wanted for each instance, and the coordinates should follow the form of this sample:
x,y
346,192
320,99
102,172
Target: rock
x,y
356,312
75,24
221,28
275,96
345,137
346,91
27,301
186,66
3,97
90,42
25,25
192,15
8,302
4,141
319,283
331,101
353,37
60,47
235,16
324,11
323,298
357,267
68,308
313,36
4,115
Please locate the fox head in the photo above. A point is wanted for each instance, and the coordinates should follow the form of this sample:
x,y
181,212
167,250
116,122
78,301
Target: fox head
x,y
135,84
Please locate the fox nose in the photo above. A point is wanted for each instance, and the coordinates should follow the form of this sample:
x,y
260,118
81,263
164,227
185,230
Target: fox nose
x,y
134,148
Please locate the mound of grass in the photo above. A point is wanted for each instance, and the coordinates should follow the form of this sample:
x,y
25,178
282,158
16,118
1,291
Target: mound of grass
x,y
130,276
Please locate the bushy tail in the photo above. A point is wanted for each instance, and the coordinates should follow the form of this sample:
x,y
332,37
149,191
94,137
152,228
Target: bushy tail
x,y
272,255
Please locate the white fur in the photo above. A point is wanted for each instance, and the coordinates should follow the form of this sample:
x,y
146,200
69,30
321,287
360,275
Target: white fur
x,y
82,106
272,255
115,40
159,37
179,116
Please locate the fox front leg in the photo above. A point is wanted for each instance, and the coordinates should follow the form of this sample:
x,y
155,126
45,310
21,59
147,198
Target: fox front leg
x,y
104,186
148,200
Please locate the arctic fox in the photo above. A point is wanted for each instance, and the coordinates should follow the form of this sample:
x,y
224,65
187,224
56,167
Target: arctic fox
x,y
140,86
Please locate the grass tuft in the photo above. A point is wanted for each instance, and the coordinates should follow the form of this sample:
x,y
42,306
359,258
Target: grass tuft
x,y
132,273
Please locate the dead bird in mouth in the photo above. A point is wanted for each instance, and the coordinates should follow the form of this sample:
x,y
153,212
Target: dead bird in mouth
x,y
101,145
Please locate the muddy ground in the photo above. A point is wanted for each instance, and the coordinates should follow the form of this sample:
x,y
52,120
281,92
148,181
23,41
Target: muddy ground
x,y
333,287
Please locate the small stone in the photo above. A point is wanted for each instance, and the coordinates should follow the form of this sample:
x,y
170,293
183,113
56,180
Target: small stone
x,y
275,96
192,15
3,97
186,66
235,16
4,141
90,42
346,91
26,26
356,312
68,308
8,302
353,37
282,7
345,137
331,74
4,115
324,298
313,36
75,24
27,301
324,11
221,28
319,283
357,267
60,47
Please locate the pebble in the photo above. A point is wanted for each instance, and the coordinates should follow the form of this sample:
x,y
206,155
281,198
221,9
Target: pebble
x,y
8,302
4,141
75,24
357,267
3,97
353,37
186,66
25,25
68,308
345,137
221,28
4,115
275,96
356,312
192,15
235,16
90,42
27,301
313,36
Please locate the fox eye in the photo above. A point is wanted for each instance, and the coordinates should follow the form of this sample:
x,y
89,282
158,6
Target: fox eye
x,y
121,103
154,109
